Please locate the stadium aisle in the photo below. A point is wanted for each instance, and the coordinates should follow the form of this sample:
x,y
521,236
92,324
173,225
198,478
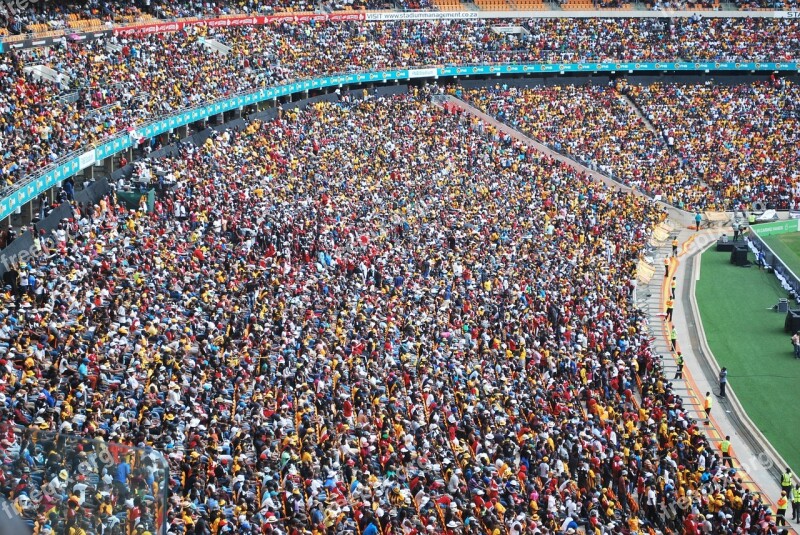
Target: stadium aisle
x,y
758,470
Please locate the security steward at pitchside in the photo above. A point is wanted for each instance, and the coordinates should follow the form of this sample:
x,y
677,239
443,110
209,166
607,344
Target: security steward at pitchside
x,y
670,305
796,503
786,482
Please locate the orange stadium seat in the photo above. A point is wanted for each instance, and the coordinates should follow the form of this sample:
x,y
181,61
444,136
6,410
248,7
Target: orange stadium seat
x,y
529,5
448,5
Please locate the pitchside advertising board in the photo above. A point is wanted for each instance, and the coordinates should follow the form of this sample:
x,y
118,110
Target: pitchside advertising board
x,y
776,227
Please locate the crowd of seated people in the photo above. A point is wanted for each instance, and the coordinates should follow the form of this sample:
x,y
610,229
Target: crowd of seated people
x,y
106,87
594,124
789,5
46,15
699,146
43,14
394,320
741,139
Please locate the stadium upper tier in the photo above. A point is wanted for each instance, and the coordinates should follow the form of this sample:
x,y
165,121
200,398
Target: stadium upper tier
x,y
103,88
47,16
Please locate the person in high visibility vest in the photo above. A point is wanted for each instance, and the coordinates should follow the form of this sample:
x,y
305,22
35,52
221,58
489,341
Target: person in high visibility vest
x,y
796,503
786,482
782,504
707,403
675,247
673,338
725,446
679,371
670,305
673,286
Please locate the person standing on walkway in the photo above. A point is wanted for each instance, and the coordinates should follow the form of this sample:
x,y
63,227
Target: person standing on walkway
x,y
725,447
796,503
673,338
673,285
675,246
707,403
723,381
666,266
679,371
786,482
670,305
697,219
782,504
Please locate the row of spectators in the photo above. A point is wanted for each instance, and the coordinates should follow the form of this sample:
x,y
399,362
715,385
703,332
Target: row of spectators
x,y
742,140
393,320
105,88
28,16
58,14
713,146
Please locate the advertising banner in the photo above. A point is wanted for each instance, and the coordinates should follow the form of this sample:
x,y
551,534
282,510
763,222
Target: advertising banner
x,y
86,159
776,227
231,22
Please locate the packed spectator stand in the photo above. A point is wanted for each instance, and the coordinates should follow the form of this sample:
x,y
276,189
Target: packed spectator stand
x,y
105,88
706,146
288,357
394,319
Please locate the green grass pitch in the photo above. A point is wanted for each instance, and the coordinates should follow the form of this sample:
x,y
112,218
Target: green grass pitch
x,y
787,247
748,338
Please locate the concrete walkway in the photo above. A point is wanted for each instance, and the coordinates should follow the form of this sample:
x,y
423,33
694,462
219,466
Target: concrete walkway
x,y
636,111
759,463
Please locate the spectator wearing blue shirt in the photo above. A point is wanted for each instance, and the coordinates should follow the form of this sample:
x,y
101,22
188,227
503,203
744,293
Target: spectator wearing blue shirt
x,y
121,477
83,369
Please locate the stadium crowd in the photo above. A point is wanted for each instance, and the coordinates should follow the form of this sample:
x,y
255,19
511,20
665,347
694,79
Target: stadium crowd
x,y
719,146
32,16
394,320
104,89
593,124
56,15
741,139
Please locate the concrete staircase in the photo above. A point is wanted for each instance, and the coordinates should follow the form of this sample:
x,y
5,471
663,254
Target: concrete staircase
x,y
46,74
216,47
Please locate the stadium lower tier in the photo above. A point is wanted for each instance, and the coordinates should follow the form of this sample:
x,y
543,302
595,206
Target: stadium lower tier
x,y
359,317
